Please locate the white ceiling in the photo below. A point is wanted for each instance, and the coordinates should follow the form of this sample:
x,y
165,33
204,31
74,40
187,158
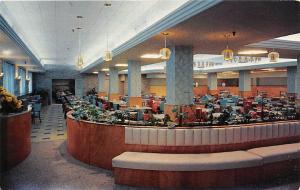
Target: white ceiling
x,y
46,26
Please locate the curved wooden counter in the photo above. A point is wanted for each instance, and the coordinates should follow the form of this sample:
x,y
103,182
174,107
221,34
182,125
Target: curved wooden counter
x,y
94,143
15,142
98,143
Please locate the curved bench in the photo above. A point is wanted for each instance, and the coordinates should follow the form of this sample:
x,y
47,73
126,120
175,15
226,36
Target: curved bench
x,y
278,160
212,139
223,169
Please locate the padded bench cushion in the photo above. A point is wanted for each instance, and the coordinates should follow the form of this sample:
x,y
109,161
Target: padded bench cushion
x,y
277,153
186,162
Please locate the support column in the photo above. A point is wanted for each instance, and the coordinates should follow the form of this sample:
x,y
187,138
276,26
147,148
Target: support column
x,y
26,82
134,84
101,84
179,79
212,83
291,81
297,82
245,84
17,81
113,84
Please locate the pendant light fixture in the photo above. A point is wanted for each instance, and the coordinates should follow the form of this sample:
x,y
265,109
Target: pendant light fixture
x,y
273,56
79,61
107,53
165,52
227,53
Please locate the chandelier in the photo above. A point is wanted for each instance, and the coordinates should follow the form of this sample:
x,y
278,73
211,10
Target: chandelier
x,y
273,56
107,53
227,53
79,61
165,52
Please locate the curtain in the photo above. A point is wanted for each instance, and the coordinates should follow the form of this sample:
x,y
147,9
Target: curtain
x,y
30,82
9,77
22,73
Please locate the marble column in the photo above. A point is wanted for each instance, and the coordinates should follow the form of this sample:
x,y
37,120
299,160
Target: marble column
x,y
101,84
297,82
212,83
179,78
245,84
291,80
134,84
113,84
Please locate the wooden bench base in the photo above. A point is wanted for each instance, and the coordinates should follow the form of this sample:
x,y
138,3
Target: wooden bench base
x,y
204,179
190,179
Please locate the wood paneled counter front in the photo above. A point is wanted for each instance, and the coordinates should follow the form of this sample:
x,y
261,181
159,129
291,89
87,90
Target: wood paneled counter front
x,y
15,142
98,143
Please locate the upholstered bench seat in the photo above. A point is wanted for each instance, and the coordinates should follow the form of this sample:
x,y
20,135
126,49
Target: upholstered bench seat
x,y
186,162
278,153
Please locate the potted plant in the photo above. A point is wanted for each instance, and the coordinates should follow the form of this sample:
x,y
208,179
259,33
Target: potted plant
x,y
9,103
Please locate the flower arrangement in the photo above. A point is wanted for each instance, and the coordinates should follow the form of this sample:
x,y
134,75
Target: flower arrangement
x,y
8,102
89,113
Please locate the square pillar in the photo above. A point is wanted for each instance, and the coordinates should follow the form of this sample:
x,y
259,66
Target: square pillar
x,y
27,86
101,84
113,84
134,84
245,84
291,81
26,82
212,83
179,78
17,86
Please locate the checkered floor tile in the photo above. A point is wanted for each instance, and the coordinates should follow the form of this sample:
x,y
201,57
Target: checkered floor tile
x,y
52,127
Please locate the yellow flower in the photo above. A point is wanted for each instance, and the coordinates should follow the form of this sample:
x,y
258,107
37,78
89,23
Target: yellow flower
x,y
15,100
9,99
18,106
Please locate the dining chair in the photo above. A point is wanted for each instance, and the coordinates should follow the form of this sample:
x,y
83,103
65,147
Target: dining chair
x,y
36,111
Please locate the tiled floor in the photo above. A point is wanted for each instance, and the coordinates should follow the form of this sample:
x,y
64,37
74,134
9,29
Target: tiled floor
x,y
50,167
52,127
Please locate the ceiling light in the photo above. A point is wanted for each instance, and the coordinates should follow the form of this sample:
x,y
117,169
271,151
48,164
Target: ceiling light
x,y
227,53
79,62
273,56
165,52
121,65
105,69
107,55
293,37
151,56
268,69
252,52
6,52
95,72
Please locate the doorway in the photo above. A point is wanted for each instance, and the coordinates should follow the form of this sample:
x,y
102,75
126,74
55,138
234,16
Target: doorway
x,y
61,87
